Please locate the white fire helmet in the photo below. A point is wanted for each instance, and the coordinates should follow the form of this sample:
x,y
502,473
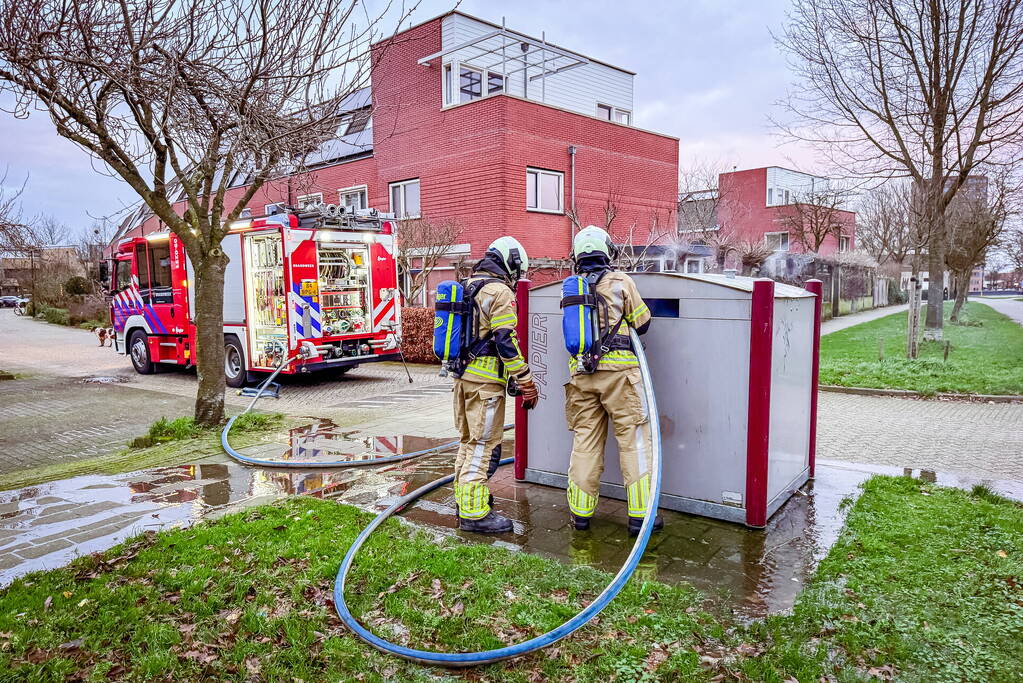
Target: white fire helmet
x,y
512,255
592,239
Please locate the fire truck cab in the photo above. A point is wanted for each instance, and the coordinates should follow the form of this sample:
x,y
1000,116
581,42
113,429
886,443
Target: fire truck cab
x,y
327,276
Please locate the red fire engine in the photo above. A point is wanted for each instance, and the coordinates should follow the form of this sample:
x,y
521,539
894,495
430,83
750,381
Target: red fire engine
x,y
326,275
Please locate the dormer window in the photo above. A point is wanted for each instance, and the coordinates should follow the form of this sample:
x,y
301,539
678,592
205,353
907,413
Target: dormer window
x,y
609,113
463,83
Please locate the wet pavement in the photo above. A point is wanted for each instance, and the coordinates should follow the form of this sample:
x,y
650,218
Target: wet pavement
x,y
754,572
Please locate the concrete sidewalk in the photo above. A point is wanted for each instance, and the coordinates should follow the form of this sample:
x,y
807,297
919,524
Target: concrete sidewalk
x,y
1006,306
840,323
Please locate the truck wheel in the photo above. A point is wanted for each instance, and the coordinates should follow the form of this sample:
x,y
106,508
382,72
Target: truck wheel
x,y
234,363
138,349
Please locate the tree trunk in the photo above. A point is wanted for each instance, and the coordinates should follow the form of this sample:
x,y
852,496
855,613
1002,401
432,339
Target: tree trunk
x,y
936,273
962,284
209,325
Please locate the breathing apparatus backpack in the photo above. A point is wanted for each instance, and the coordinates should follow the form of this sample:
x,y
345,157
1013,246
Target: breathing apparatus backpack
x,y
454,325
580,323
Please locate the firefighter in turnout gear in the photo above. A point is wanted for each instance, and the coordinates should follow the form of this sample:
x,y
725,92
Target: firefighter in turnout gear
x,y
610,391
495,362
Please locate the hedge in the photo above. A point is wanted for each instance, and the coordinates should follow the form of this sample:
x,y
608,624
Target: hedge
x,y
417,335
57,316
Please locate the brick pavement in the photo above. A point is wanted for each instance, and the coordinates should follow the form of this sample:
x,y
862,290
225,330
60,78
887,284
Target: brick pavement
x,y
51,420
982,439
50,416
31,346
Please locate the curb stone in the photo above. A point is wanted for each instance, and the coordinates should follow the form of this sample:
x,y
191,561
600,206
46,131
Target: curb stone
x,y
941,396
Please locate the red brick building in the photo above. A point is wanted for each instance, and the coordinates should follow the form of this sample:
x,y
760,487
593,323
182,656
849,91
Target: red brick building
x,y
767,204
502,132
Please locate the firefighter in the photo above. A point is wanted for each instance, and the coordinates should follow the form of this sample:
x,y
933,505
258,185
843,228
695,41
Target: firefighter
x,y
611,392
479,401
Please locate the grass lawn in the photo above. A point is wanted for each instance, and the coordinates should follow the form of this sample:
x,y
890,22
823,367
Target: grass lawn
x,y
985,356
925,584
167,442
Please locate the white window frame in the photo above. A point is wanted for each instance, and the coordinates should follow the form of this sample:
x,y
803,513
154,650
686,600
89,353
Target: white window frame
x,y
698,260
539,202
402,184
363,189
302,200
843,243
452,96
788,242
614,114
278,207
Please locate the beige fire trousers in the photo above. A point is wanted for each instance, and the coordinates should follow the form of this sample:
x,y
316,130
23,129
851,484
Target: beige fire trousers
x,y
479,418
591,401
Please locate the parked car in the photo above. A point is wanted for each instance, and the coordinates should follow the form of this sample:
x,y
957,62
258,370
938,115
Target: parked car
x,y
10,301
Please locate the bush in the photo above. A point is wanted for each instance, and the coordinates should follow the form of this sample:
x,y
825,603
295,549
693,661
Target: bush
x,y
417,335
55,316
92,309
77,285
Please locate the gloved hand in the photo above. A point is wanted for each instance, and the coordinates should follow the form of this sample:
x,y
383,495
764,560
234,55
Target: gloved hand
x,y
530,394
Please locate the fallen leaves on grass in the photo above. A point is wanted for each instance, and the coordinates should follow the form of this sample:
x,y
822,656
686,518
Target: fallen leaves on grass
x,y
885,673
400,583
658,655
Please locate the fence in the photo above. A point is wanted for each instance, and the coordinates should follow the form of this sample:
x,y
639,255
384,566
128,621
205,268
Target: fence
x,y
848,288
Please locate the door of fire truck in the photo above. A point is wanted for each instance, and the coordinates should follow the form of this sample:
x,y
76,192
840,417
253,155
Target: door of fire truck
x,y
345,282
156,287
265,298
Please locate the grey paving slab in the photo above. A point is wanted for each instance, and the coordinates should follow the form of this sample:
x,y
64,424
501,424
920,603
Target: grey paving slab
x,y
1005,305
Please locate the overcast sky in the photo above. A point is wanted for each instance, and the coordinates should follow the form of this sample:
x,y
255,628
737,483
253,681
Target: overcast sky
x,y
707,72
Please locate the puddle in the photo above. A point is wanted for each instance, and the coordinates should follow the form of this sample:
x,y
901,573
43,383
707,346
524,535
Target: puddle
x,y
324,441
753,572
105,379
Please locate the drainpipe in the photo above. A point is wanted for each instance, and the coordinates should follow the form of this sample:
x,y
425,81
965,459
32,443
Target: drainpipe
x,y
571,153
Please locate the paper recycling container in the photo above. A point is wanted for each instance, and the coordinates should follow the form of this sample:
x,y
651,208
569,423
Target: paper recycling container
x,y
734,363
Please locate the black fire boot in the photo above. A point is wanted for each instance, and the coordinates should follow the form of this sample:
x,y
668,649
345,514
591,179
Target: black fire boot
x,y
493,523
581,523
636,522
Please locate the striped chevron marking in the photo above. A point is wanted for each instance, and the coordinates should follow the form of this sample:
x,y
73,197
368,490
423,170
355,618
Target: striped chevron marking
x,y
383,312
296,300
129,303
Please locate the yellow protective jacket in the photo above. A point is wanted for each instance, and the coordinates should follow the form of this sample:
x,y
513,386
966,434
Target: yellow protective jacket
x,y
496,319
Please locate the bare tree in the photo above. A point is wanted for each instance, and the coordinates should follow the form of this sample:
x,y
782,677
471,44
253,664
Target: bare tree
x,y
699,197
422,243
16,233
179,97
976,224
639,238
607,213
712,216
815,215
49,231
1013,247
752,253
884,224
925,89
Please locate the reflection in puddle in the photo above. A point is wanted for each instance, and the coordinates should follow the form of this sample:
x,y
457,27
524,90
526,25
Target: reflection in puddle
x,y
325,441
756,572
